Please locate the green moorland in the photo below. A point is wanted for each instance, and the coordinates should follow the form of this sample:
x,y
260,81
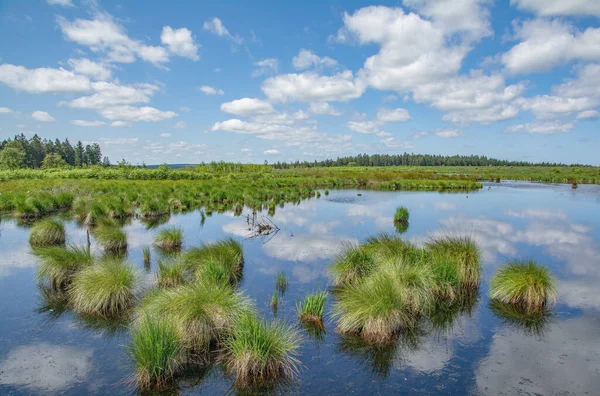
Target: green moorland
x,y
121,191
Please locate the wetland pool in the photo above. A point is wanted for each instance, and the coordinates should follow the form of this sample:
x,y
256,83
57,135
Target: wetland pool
x,y
45,350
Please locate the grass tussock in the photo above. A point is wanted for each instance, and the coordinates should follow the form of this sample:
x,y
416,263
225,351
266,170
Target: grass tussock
x,y
169,238
146,254
464,251
401,215
112,239
351,265
281,282
274,301
374,309
385,247
59,265
171,274
47,232
155,352
313,307
525,284
258,351
105,288
387,285
200,313
211,262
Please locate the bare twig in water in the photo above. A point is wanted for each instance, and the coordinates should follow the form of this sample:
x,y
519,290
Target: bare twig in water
x,y
263,227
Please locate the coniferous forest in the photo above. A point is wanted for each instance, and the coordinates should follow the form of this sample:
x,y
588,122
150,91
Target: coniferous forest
x,y
21,152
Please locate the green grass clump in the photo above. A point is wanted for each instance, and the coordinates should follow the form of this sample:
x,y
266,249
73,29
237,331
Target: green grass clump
x,y
211,261
258,351
47,232
281,282
374,309
105,288
274,302
155,351
59,264
171,274
201,313
169,238
401,215
446,276
313,307
146,254
525,284
353,264
386,247
88,212
112,239
464,251
415,283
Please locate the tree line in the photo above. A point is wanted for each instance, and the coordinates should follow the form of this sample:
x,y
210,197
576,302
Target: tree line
x,y
410,160
21,152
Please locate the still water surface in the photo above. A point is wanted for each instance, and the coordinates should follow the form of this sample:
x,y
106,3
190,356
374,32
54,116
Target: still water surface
x,y
49,352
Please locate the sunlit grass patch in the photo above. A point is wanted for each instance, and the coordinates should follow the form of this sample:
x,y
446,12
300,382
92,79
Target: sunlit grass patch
x,y
258,351
59,264
386,246
313,307
169,238
171,274
201,313
351,265
111,238
47,232
524,283
375,309
155,351
105,288
212,260
464,251
446,275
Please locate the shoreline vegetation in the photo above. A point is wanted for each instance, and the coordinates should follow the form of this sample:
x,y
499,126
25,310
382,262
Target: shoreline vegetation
x,y
126,191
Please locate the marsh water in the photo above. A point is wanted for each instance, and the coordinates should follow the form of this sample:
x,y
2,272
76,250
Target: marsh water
x,y
47,350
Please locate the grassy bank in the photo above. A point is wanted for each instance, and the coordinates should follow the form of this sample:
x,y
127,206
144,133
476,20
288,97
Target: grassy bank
x,y
124,192
94,193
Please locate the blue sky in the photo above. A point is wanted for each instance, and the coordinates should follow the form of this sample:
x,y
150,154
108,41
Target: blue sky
x,y
185,82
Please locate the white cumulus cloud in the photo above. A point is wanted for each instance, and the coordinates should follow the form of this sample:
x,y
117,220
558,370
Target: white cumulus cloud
x,y
42,116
